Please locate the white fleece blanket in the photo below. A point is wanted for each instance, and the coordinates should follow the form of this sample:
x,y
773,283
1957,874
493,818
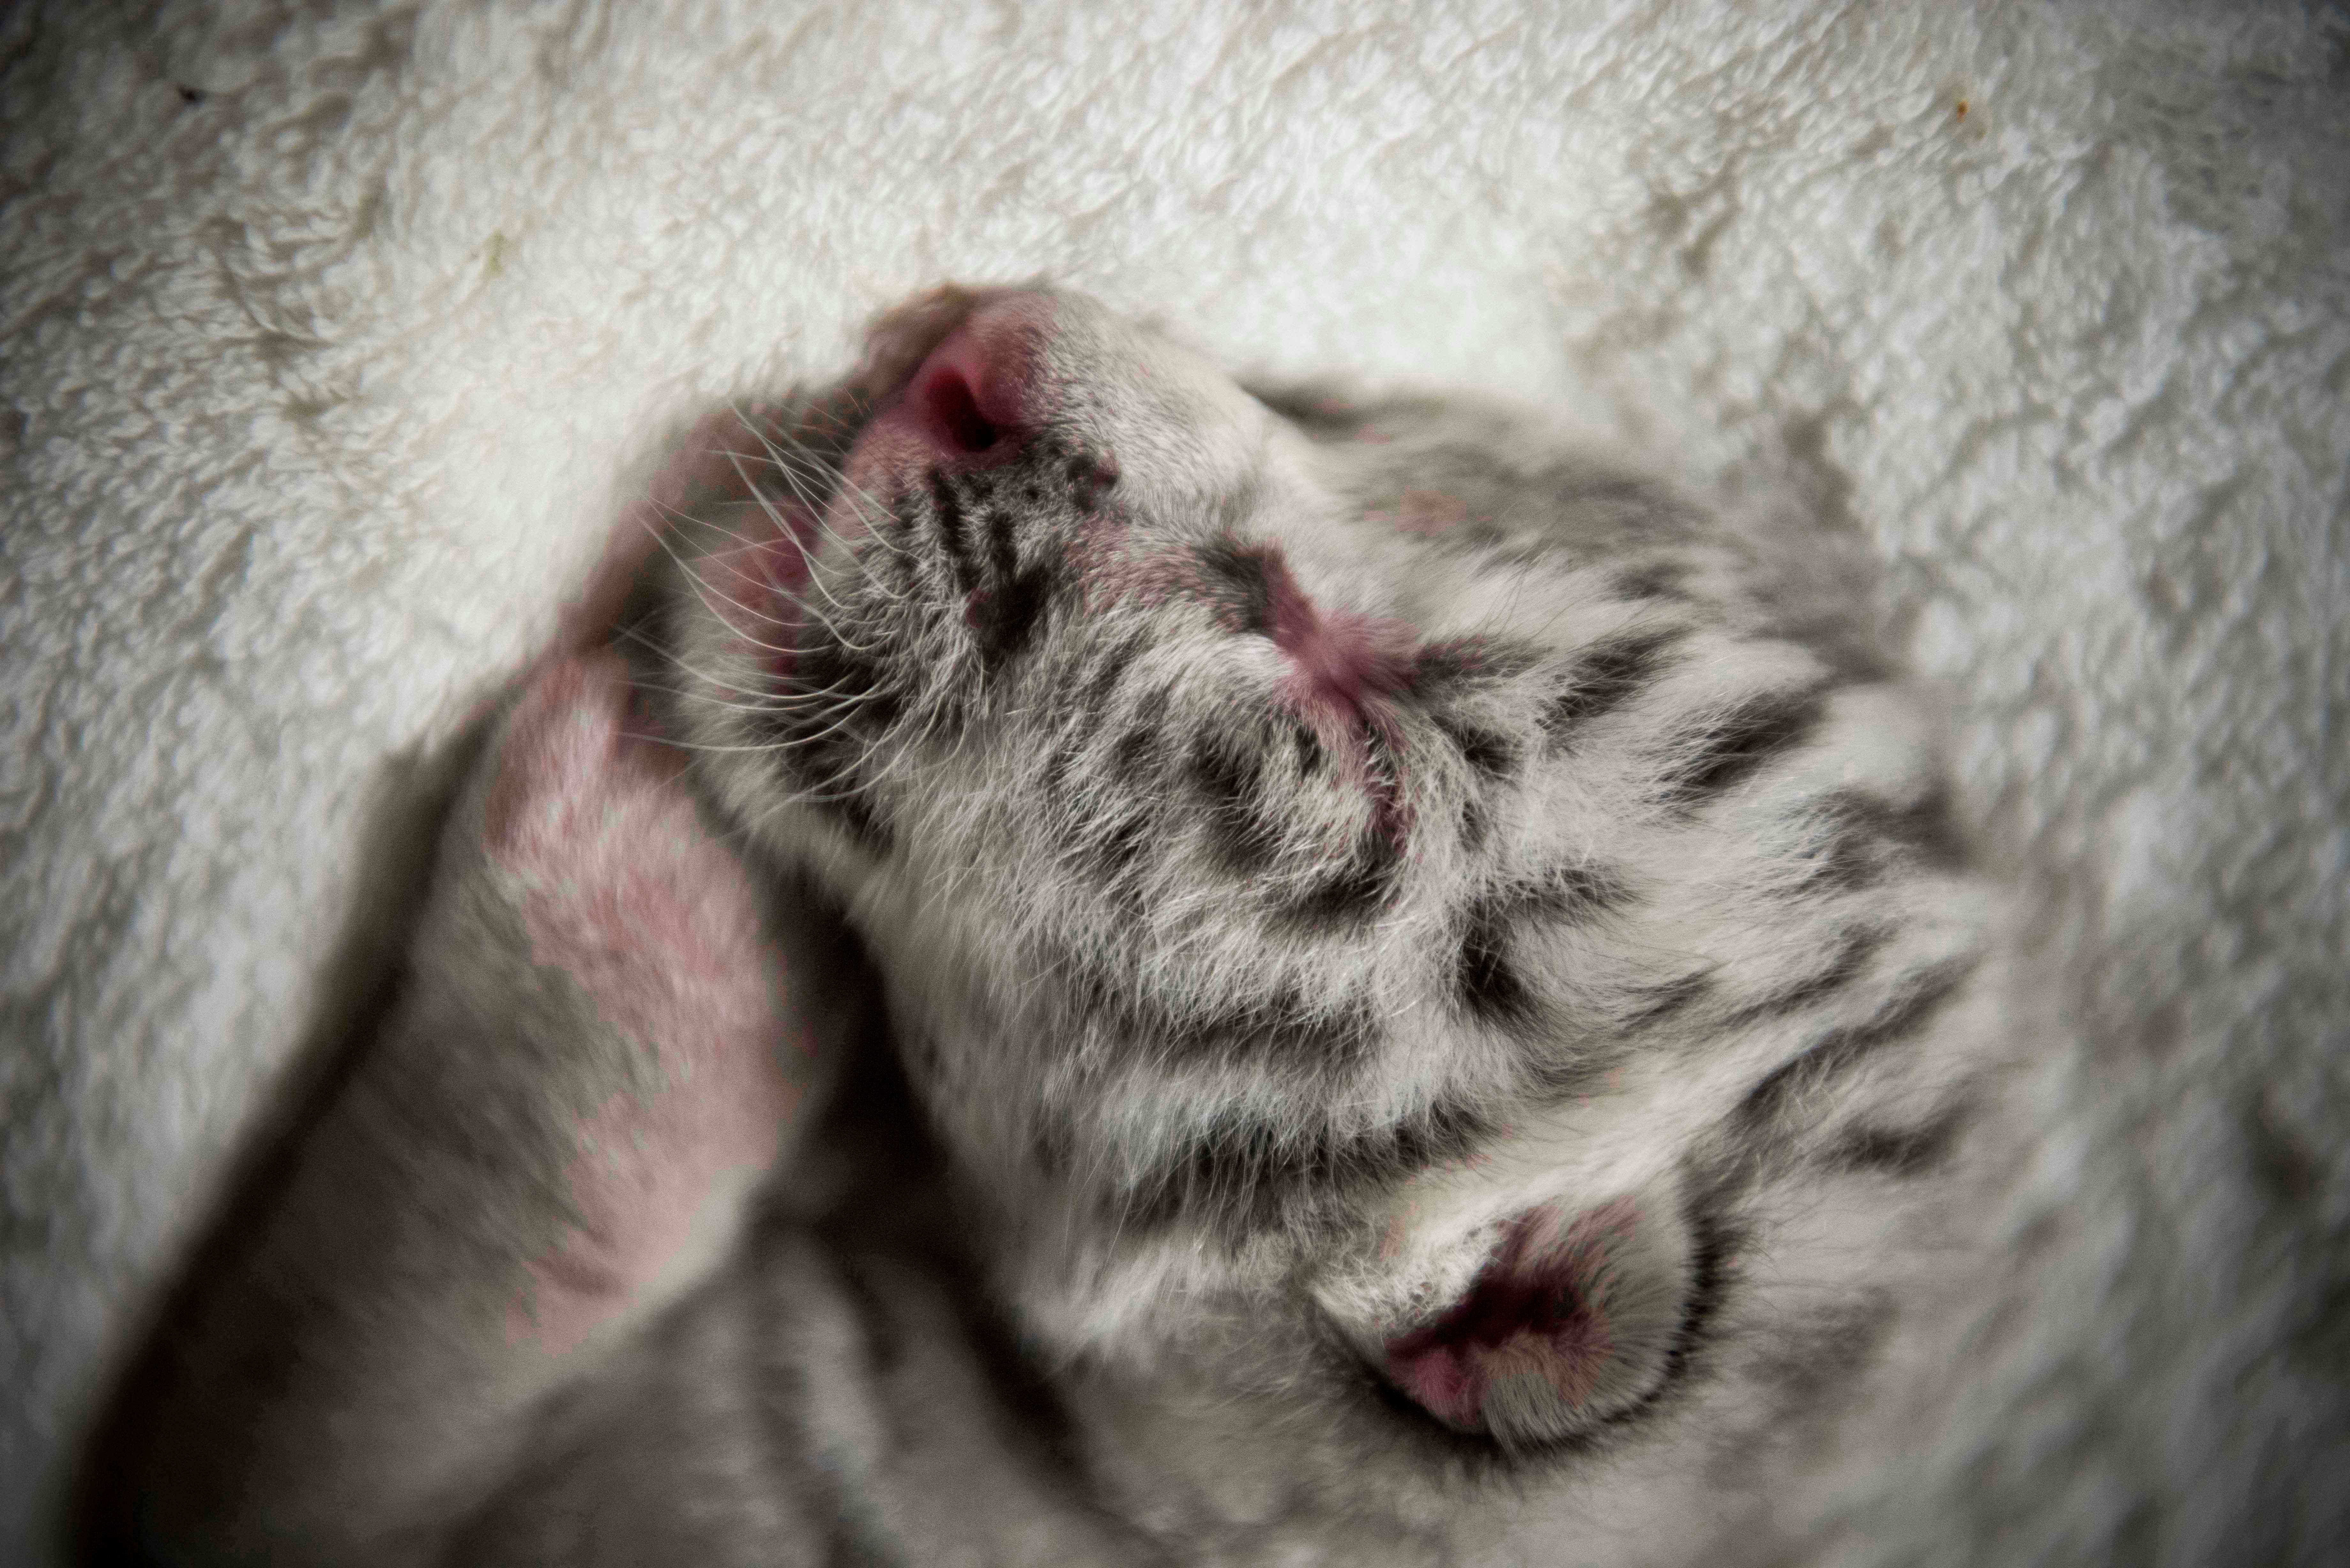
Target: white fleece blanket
x,y
331,346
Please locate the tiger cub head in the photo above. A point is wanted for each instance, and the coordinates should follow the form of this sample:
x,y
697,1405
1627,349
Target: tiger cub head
x,y
1370,853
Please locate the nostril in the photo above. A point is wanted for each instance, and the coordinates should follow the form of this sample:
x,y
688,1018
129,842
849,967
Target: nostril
x,y
951,408
973,399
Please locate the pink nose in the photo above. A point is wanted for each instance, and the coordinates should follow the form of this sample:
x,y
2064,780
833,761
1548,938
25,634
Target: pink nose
x,y
966,406
979,391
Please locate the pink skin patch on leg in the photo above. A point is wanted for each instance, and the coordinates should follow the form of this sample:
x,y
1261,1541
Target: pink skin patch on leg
x,y
1539,1308
660,926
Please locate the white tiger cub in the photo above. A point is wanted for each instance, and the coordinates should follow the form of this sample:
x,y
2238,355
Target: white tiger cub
x,y
1445,1020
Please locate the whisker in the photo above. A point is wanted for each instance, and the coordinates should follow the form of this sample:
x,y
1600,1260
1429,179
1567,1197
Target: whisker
x,y
677,662
704,588
847,711
763,700
800,491
806,608
762,703
815,574
789,465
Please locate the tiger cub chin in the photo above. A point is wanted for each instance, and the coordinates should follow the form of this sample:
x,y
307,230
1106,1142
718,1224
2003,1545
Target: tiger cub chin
x,y
1442,967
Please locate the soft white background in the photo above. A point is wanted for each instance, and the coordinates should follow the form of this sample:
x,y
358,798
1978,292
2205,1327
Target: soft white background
x,y
319,391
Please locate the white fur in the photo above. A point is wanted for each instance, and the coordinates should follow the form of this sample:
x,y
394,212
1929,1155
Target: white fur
x,y
329,384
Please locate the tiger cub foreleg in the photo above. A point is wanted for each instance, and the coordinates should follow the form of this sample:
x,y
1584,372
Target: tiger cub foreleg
x,y
594,1058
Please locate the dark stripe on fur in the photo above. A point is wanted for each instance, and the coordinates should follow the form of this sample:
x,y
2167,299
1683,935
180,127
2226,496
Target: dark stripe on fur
x,y
1137,754
902,560
1900,1152
1139,757
1607,675
1659,1004
1653,580
1711,758
1351,897
1487,752
946,511
1251,1179
864,819
1228,774
1840,1051
1643,509
1088,474
1001,559
1809,1363
1118,849
1321,412
1234,575
1009,616
1571,893
1443,669
1311,758
1485,981
1102,682
1867,835
1850,959
1476,822
1716,1239
1278,1025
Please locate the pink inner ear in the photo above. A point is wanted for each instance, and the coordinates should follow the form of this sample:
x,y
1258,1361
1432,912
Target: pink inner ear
x,y
1537,1308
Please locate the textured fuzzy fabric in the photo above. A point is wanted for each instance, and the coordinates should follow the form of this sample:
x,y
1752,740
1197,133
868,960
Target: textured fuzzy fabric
x,y
333,338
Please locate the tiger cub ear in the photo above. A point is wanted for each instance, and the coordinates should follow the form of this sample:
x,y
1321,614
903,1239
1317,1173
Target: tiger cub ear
x,y
1573,1320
